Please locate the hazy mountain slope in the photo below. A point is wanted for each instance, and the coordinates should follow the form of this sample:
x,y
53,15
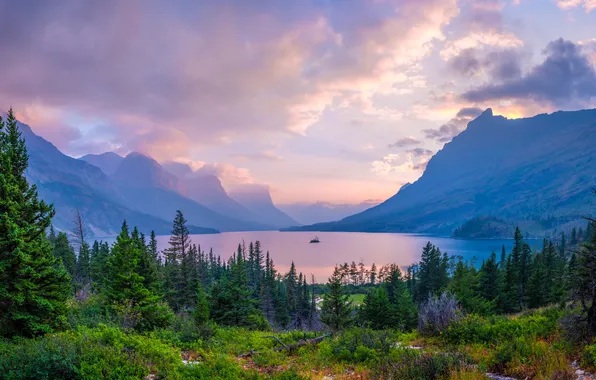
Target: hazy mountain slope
x,y
108,162
208,191
320,212
70,183
257,199
146,186
537,169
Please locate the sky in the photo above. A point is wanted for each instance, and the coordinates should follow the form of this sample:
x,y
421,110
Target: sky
x,y
321,100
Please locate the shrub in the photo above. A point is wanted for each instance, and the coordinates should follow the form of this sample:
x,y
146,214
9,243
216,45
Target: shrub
x,y
437,313
589,357
527,358
358,345
105,352
422,366
492,330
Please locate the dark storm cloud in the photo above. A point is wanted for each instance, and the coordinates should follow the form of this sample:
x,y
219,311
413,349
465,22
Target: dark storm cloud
x,y
453,127
565,77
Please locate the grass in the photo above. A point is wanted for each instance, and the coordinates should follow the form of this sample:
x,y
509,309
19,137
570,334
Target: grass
x,y
357,299
523,346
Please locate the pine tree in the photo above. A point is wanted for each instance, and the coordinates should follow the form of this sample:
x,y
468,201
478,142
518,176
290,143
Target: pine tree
x,y
64,252
125,292
373,274
403,308
584,283
489,282
100,254
174,280
376,310
83,269
292,289
201,312
230,301
336,311
34,286
148,263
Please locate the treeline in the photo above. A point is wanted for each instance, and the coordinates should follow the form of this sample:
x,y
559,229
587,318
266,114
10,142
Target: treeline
x,y
144,286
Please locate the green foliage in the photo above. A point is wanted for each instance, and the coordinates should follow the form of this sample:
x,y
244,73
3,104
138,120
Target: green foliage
x,y
358,345
524,357
125,292
64,251
589,357
496,329
411,365
336,311
201,312
34,286
106,353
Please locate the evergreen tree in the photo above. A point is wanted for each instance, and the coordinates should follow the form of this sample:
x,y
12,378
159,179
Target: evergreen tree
x,y
432,274
125,292
490,278
201,312
336,311
573,240
174,280
34,286
83,268
64,252
376,310
100,254
584,283
292,289
537,286
148,263
230,301
373,274
403,308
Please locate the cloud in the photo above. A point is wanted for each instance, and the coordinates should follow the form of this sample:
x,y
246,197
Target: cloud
x,y
406,141
259,156
453,127
588,5
414,160
210,71
566,77
498,65
228,174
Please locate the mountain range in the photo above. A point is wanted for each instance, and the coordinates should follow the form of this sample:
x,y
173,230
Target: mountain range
x,y
109,188
537,172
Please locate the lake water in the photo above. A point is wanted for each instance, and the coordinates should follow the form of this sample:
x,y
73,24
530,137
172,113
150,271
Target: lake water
x,y
339,247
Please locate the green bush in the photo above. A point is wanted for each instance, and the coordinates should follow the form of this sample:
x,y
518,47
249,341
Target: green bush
x,y
589,357
492,330
412,365
218,367
104,352
359,345
526,357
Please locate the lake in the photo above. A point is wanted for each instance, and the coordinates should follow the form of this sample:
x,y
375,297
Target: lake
x,y
339,247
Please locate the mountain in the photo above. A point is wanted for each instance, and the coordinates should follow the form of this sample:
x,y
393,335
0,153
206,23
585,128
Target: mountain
x,y
146,186
69,183
138,170
108,162
536,171
320,212
208,191
257,199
